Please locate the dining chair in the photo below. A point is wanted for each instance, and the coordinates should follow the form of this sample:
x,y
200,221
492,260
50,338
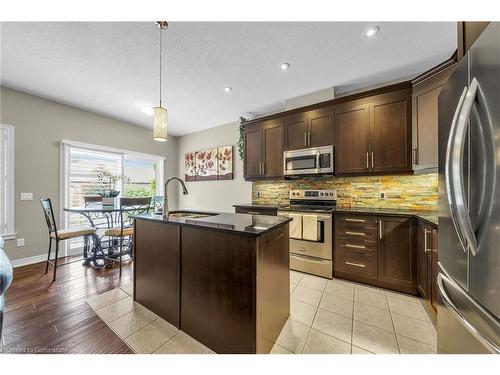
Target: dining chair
x,y
61,235
158,204
125,232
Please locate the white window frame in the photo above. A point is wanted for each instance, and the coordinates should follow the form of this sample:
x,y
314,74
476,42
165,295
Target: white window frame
x,y
65,162
11,233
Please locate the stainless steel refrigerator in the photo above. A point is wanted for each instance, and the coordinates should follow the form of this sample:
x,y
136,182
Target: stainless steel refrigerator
x,y
469,204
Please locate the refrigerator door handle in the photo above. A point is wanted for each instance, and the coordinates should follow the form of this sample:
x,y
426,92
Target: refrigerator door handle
x,y
450,190
488,320
457,158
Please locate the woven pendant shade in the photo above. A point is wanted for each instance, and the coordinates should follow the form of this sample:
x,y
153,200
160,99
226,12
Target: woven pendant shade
x,y
160,124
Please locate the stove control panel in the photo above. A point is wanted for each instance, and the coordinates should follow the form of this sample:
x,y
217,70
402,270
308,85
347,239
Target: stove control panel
x,y
313,194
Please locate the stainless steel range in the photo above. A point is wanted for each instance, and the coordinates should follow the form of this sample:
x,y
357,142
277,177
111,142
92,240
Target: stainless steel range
x,y
311,230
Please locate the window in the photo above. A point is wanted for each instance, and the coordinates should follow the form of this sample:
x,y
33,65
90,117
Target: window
x,y
7,181
81,164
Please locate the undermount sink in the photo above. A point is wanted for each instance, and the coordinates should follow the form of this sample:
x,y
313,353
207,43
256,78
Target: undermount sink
x,y
191,215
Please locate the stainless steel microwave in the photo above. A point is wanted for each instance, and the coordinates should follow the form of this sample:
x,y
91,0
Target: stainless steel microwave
x,y
308,161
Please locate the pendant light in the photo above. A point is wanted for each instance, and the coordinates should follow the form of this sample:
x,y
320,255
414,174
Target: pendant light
x,y
160,120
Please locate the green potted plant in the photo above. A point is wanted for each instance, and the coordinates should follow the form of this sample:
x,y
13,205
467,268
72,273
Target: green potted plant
x,y
241,140
108,181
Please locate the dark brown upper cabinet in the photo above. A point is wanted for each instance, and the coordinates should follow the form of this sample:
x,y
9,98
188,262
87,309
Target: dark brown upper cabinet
x,y
373,135
264,149
309,129
253,151
390,135
352,124
425,95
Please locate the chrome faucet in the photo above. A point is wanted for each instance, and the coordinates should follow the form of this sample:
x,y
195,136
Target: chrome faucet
x,y
165,198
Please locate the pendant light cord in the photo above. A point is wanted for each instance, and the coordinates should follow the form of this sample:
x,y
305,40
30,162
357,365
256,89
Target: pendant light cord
x,y
160,63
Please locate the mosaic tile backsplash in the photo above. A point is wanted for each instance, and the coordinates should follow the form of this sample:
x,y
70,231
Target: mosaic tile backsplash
x,y
411,192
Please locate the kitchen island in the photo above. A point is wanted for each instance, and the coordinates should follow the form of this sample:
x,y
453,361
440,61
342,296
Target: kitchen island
x,y
221,278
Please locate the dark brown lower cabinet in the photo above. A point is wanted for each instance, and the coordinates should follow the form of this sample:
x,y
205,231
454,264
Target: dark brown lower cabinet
x,y
397,260
427,263
157,260
434,270
377,250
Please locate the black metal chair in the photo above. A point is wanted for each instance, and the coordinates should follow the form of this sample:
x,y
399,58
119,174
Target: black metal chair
x,y
125,232
61,235
158,204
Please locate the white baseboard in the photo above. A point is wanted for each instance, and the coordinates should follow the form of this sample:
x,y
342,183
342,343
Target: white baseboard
x,y
28,261
41,258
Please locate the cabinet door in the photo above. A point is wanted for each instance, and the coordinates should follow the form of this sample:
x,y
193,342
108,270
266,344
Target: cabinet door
x,y
296,132
273,149
426,152
397,256
390,134
351,139
434,269
423,264
253,151
320,127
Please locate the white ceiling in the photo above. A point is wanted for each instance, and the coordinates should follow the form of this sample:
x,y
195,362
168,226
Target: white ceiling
x,y
112,68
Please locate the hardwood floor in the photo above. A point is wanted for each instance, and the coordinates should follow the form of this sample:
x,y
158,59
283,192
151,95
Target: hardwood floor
x,y
52,317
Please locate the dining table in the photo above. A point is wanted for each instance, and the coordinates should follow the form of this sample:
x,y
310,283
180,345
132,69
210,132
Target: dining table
x,y
101,217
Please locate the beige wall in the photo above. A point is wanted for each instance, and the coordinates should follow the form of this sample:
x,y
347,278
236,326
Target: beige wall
x,y
214,195
39,126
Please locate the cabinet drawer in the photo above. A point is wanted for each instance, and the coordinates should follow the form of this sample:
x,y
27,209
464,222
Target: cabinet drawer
x,y
365,246
356,221
356,263
353,233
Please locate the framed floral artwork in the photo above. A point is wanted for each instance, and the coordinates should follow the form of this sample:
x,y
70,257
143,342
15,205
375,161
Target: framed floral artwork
x,y
190,166
209,165
225,162
206,165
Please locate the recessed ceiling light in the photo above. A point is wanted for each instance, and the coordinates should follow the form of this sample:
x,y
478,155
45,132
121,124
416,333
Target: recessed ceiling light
x,y
372,31
285,66
147,110
228,89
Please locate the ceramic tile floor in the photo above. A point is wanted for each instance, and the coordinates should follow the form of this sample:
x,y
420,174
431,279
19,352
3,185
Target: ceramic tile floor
x,y
326,316
341,317
143,331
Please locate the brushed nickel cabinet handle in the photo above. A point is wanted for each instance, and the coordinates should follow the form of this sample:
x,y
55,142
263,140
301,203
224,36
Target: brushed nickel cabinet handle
x,y
253,213
263,167
380,229
305,139
356,220
426,233
308,138
355,264
415,156
367,162
372,160
355,233
260,167
355,246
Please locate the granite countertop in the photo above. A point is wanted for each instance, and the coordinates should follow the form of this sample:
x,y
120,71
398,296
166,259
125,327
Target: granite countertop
x,y
246,224
429,216
258,205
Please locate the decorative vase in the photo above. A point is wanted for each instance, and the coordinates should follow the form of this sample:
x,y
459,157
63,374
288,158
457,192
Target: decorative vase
x,y
108,201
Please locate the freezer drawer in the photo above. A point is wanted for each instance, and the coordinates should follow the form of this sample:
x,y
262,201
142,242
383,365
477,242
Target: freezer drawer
x,y
464,326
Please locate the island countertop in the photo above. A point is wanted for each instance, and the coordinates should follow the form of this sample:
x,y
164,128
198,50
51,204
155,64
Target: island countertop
x,y
246,224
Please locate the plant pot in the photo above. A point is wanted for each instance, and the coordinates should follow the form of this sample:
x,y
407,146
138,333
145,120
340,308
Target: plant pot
x,y
108,201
